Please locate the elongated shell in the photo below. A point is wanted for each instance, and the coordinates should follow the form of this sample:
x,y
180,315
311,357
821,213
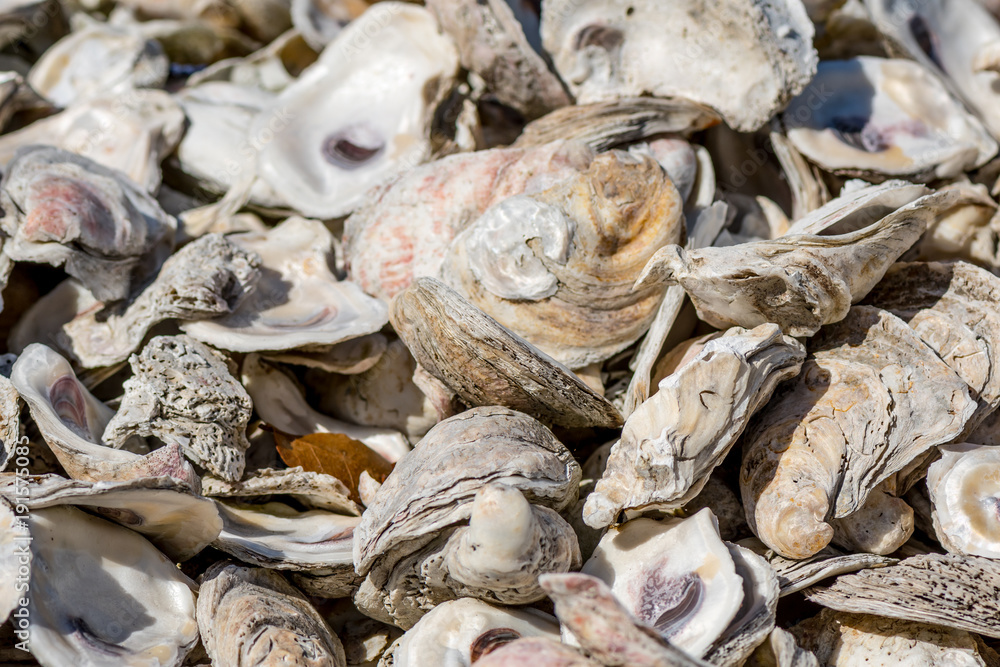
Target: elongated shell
x,y
485,364
570,254
799,282
870,399
673,441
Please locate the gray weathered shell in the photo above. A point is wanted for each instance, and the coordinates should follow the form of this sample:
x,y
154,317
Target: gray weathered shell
x,y
611,50
570,254
870,399
162,509
253,616
799,282
206,278
10,420
486,364
68,210
950,590
673,441
181,392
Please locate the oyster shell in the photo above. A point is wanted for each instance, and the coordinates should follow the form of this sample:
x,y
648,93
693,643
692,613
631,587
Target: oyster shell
x,y
71,420
464,470
591,612
676,576
324,167
253,616
461,632
182,393
313,489
671,443
11,528
485,364
870,399
780,650
351,357
840,639
881,525
404,227
10,419
570,254
131,133
97,60
953,308
963,494
64,209
492,43
950,590
611,50
887,117
206,278
298,301
160,508
800,281
280,402
102,595
537,651
755,619
795,575
967,231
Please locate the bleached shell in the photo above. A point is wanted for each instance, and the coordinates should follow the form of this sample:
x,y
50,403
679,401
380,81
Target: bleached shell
x,y
964,492
606,50
313,489
357,134
755,619
676,576
403,229
881,525
799,282
953,308
485,364
10,531
674,440
858,208
432,488
102,595
320,21
949,37
950,590
160,508
281,402
781,650
870,399
350,357
492,43
537,651
890,117
253,616
181,392
131,133
98,60
298,301
463,631
206,278
64,209
842,640
71,421
967,231
570,254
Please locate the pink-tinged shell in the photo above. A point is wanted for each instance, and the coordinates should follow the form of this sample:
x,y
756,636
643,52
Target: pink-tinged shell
x,y
404,229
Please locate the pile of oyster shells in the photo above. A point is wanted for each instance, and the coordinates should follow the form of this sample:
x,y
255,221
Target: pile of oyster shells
x,y
672,327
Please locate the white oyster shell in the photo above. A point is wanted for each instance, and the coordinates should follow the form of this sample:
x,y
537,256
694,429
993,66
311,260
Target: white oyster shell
x,y
891,117
606,50
964,487
676,576
359,134
102,595
298,302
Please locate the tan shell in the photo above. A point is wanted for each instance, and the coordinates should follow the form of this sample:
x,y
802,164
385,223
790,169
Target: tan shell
x,y
799,282
253,616
871,398
486,364
312,489
673,441
570,254
536,651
